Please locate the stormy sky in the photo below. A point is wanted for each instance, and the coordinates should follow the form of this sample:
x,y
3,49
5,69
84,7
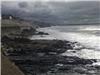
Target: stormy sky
x,y
56,12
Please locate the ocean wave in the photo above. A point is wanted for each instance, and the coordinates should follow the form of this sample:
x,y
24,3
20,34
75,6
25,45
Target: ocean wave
x,y
91,42
90,28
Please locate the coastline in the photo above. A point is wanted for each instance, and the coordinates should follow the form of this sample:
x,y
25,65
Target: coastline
x,y
46,56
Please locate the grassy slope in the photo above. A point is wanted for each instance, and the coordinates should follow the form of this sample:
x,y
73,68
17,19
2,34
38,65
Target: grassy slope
x,y
13,23
8,26
8,23
13,26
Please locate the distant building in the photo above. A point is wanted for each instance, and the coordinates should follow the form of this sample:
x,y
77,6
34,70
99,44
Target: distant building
x,y
10,17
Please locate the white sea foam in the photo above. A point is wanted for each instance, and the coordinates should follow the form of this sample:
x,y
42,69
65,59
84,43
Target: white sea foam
x,y
96,63
84,53
91,41
88,40
91,28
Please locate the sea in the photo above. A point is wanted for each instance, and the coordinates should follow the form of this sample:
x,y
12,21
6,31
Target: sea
x,y
86,35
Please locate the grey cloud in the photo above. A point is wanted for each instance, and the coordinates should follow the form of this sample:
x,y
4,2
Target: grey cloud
x,y
54,12
23,4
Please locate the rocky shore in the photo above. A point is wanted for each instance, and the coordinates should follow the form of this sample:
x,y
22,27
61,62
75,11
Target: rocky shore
x,y
43,57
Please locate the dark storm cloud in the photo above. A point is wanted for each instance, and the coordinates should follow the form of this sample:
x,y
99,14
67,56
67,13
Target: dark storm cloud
x,y
55,12
23,4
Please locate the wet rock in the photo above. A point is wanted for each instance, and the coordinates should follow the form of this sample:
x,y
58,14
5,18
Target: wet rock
x,y
45,56
80,70
41,33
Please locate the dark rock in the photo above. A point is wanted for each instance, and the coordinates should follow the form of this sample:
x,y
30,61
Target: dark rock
x,y
44,55
42,33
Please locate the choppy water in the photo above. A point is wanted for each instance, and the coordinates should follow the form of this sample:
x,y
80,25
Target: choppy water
x,y
87,35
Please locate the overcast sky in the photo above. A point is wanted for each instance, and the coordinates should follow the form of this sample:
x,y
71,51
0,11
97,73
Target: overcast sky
x,y
54,12
50,0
